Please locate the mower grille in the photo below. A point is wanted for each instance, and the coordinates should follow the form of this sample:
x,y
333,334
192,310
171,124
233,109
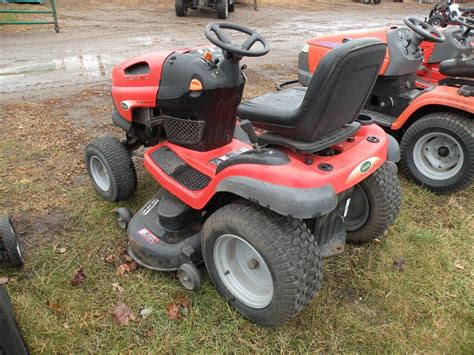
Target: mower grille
x,y
183,131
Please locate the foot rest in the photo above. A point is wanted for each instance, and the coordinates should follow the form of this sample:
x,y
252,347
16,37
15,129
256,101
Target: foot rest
x,y
380,118
179,170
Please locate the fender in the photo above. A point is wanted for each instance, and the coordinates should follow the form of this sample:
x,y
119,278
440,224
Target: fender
x,y
287,201
440,96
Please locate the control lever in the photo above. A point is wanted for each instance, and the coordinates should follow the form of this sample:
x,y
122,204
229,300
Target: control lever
x,y
248,128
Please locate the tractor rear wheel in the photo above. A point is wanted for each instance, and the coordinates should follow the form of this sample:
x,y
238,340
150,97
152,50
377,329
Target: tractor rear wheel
x,y
266,265
438,151
180,8
374,206
222,8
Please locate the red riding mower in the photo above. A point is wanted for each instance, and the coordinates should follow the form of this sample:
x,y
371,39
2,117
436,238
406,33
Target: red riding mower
x,y
259,208
434,124
459,44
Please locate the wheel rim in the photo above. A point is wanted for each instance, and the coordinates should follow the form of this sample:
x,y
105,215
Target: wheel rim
x,y
243,271
99,173
359,209
438,156
436,23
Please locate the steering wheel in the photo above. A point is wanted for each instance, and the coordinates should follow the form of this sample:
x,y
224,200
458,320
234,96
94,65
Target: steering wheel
x,y
464,21
424,30
214,33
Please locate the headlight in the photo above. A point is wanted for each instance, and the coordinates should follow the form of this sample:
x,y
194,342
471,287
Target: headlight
x,y
305,48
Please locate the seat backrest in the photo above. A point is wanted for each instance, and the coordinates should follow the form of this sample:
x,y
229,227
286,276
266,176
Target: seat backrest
x,y
339,88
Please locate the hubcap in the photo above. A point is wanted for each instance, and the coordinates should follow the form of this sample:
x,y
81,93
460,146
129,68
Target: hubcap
x,y
358,211
243,271
438,156
99,173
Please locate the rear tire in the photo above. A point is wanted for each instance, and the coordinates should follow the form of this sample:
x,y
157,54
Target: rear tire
x,y
180,8
110,168
375,204
10,243
283,271
438,152
232,6
222,8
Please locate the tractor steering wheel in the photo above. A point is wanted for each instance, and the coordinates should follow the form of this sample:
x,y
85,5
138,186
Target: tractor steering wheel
x,y
423,30
464,21
214,33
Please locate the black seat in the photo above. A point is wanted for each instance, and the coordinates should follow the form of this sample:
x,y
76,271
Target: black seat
x,y
461,68
335,96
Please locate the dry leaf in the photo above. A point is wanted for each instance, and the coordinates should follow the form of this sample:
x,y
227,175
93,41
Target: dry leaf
x,y
54,306
117,288
458,265
148,333
79,277
4,280
126,257
182,301
145,312
123,314
127,267
110,259
399,264
173,311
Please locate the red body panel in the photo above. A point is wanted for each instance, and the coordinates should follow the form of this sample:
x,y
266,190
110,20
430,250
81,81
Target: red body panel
x,y
346,172
320,45
137,90
442,96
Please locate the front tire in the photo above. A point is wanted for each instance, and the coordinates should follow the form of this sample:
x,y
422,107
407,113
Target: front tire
x,y
374,206
232,6
180,8
9,242
110,168
266,265
222,9
437,21
438,152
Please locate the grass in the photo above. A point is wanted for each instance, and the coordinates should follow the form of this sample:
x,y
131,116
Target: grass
x,y
366,305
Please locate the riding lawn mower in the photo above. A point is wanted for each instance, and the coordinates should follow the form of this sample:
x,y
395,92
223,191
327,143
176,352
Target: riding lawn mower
x,y
434,121
260,200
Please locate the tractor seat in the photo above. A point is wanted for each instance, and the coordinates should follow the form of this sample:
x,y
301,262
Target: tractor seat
x,y
460,68
334,98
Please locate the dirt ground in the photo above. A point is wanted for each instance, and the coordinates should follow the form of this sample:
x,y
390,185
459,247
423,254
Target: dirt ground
x,y
38,63
54,98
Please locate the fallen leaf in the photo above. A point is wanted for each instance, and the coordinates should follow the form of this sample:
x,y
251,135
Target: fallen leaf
x,y
117,288
149,333
173,311
127,267
182,301
79,277
458,265
54,306
145,312
110,259
4,280
123,314
399,264
126,257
